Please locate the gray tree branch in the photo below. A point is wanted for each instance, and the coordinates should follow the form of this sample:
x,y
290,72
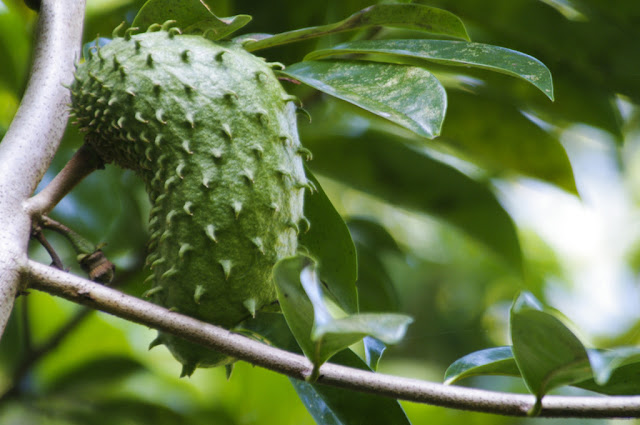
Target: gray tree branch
x,y
84,162
34,135
88,293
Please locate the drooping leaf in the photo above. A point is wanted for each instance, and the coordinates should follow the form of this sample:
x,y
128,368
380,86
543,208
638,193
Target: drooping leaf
x,y
191,16
107,411
330,405
382,165
373,350
376,290
624,380
492,361
576,99
621,379
328,241
408,96
605,362
372,234
317,331
450,52
96,373
411,16
484,131
568,8
548,354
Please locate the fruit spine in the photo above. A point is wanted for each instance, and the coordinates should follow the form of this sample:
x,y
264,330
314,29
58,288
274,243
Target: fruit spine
x,y
212,133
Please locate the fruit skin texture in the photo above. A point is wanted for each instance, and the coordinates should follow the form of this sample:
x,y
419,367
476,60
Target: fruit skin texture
x,y
212,133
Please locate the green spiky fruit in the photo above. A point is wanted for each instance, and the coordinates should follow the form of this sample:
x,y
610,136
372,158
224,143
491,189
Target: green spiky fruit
x,y
212,133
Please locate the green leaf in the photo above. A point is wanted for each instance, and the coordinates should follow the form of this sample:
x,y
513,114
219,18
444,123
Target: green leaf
x,y
306,310
96,375
15,50
382,165
548,354
450,52
373,350
372,234
624,380
618,370
482,130
191,16
492,361
389,328
330,405
568,9
411,16
337,406
605,362
408,96
328,241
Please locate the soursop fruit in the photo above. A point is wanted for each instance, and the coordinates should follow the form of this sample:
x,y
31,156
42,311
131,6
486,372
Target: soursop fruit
x,y
212,133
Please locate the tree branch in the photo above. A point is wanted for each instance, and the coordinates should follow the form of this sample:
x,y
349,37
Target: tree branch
x,y
34,135
88,293
84,162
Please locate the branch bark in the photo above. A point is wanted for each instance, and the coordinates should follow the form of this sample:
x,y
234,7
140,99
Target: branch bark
x,y
84,162
88,293
34,135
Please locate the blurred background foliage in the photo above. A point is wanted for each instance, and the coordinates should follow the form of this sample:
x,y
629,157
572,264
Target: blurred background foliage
x,y
62,365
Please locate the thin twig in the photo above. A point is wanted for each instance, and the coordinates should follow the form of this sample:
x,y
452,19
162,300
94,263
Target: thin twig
x,y
85,292
55,258
82,163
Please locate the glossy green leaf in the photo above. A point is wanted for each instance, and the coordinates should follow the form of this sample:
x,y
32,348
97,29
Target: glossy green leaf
x,y
624,380
329,242
450,52
330,405
15,51
569,9
605,362
484,131
408,96
191,16
619,371
389,328
318,332
372,234
336,406
108,411
373,351
411,16
548,354
376,290
96,374
492,361
382,165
